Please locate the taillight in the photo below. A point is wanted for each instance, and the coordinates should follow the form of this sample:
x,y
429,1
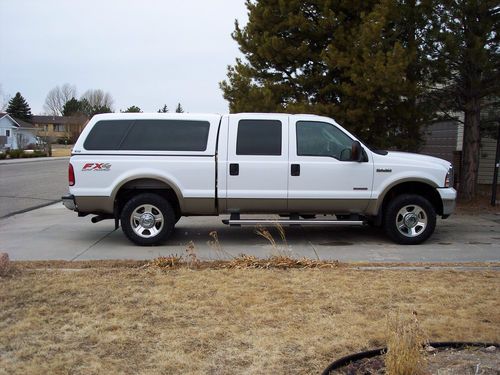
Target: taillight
x,y
71,175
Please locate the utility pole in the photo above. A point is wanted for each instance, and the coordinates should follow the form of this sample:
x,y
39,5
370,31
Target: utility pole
x,y
495,171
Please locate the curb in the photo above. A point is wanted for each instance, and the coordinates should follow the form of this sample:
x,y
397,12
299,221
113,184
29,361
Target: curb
x,y
45,204
32,160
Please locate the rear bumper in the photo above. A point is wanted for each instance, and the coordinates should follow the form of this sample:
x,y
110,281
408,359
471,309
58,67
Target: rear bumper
x,y
69,202
448,197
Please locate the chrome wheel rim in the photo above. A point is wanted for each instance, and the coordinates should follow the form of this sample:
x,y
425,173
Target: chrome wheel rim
x,y
147,221
411,220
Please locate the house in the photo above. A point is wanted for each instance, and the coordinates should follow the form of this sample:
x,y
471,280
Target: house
x,y
59,127
15,133
444,140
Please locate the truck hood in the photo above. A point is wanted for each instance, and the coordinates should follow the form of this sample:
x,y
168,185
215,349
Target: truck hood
x,y
417,159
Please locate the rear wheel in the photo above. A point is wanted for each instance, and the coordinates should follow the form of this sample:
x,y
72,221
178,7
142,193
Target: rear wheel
x,y
147,219
409,219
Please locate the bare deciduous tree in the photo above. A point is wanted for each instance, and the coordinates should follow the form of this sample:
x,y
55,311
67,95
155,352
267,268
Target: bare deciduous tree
x,y
97,98
22,141
4,100
57,98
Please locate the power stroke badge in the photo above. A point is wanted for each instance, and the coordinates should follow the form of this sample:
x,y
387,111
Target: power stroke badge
x,y
97,167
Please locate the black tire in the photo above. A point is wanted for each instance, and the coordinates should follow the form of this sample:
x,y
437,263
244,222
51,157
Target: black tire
x,y
147,219
409,219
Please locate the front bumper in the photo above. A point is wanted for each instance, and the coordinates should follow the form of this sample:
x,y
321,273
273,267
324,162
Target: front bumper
x,y
448,197
69,202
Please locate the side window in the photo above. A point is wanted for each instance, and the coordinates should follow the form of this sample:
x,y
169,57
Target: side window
x,y
259,137
107,135
167,135
322,139
7,133
148,135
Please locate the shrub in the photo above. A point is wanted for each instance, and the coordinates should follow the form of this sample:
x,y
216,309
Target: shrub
x,y
405,343
34,154
14,154
63,141
6,267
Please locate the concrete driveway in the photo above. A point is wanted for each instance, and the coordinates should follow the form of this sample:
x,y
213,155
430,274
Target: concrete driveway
x,y
53,232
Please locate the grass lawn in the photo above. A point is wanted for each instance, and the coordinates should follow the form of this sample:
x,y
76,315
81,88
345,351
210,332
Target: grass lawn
x,y
182,321
61,152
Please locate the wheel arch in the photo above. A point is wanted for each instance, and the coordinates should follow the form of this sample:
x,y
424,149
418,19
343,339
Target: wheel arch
x,y
141,184
423,188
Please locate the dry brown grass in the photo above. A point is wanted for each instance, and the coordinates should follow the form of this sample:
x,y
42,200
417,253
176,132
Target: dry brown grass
x,y
184,321
277,249
79,264
181,260
241,262
61,152
405,346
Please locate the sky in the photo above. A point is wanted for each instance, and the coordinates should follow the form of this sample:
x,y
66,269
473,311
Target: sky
x,y
145,52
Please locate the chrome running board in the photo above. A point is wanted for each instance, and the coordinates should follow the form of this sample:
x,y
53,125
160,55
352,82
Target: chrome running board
x,y
292,222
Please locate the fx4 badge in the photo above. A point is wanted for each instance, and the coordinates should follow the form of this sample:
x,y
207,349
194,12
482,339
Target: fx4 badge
x,y
101,167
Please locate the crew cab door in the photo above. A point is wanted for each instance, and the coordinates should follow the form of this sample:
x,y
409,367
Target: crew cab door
x,y
322,177
257,163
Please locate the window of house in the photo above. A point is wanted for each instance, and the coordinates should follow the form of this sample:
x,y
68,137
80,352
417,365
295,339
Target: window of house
x,y
259,137
59,128
322,139
7,132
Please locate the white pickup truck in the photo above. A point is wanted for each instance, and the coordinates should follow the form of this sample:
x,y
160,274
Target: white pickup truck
x,y
148,170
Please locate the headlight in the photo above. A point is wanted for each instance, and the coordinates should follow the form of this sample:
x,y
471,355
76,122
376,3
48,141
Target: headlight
x,y
448,181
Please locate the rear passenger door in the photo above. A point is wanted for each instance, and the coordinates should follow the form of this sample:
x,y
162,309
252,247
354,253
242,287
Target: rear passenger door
x,y
257,163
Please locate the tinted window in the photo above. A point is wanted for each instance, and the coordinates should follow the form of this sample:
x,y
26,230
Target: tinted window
x,y
259,137
149,135
167,135
107,135
322,139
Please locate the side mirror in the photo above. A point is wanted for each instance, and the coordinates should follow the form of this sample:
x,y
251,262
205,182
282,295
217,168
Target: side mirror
x,y
356,152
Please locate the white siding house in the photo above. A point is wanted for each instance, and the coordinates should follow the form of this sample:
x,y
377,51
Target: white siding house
x,y
15,134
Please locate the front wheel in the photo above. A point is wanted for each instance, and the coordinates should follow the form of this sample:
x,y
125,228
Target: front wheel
x,y
409,219
147,219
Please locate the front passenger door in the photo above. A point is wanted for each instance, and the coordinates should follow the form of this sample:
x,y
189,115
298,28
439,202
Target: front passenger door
x,y
323,179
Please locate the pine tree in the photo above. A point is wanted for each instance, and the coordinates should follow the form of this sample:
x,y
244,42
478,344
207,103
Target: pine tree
x,y
18,107
133,109
348,60
463,47
90,110
179,108
379,72
164,109
71,107
100,109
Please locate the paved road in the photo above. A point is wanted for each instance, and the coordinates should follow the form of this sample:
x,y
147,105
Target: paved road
x,y
29,183
53,232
